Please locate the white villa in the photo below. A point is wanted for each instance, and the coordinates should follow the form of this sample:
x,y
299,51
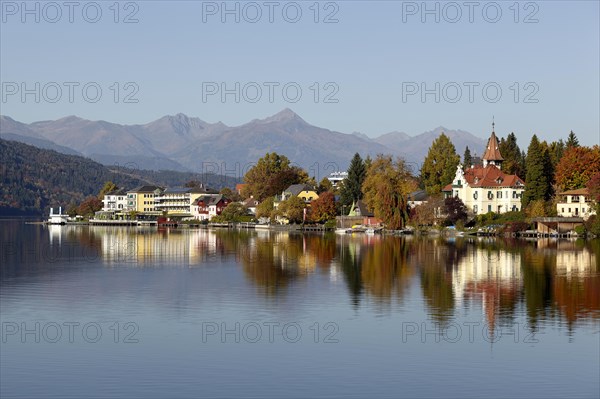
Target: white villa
x,y
486,188
115,201
576,203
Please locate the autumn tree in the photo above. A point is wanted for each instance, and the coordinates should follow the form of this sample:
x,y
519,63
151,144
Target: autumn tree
x,y
324,185
193,184
439,167
572,141
108,187
428,213
537,181
513,164
467,158
455,210
292,209
577,166
90,206
593,185
323,208
230,194
265,208
232,213
351,189
271,175
386,188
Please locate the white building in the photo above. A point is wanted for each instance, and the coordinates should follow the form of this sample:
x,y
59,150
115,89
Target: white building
x,y
576,203
486,188
336,178
178,200
115,201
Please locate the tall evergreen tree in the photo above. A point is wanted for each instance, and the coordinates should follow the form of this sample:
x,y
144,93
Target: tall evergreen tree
x,y
467,158
537,180
513,160
352,185
557,149
572,140
439,167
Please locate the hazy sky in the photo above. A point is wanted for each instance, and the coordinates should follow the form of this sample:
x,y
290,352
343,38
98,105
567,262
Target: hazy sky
x,y
367,66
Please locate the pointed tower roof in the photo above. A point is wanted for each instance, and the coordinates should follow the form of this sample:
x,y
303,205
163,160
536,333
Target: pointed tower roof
x,y
492,152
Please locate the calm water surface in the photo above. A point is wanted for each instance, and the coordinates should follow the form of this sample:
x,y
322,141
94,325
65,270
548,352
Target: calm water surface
x,y
133,312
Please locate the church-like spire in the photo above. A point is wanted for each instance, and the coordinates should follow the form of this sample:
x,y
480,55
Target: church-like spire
x,y
492,154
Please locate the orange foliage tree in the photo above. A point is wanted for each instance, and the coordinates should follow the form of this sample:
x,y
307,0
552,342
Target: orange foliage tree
x,y
577,166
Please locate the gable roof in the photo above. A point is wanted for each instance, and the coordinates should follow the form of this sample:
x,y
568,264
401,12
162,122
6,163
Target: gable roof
x,y
579,191
360,209
420,195
296,189
208,200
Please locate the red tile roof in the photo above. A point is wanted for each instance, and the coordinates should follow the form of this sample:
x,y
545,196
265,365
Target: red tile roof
x,y
490,176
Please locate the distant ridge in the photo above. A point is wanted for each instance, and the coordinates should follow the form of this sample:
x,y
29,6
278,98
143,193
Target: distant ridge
x,y
188,144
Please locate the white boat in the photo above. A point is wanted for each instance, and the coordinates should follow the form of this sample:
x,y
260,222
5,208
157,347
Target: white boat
x,y
57,218
343,231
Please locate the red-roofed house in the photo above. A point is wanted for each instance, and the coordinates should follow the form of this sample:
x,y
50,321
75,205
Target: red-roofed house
x,y
486,188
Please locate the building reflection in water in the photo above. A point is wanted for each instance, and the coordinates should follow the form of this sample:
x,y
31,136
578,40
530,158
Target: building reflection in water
x,y
495,277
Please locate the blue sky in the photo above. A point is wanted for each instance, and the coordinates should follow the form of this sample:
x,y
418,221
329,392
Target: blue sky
x,y
370,67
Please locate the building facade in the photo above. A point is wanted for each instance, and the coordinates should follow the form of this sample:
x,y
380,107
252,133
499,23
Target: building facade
x,y
178,201
115,201
206,207
486,188
576,203
141,199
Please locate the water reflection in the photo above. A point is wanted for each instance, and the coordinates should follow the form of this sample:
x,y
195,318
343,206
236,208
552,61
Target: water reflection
x,y
550,280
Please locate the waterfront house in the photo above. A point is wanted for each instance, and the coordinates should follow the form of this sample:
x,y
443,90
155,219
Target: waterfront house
x,y
206,207
251,204
486,188
115,200
303,191
359,209
576,203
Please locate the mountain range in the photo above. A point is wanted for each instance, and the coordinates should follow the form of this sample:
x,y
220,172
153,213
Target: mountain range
x,y
184,143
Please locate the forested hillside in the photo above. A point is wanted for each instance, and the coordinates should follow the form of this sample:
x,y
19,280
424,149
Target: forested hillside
x,y
34,179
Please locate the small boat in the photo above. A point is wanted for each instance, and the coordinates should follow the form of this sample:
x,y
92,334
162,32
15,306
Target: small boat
x,y
343,231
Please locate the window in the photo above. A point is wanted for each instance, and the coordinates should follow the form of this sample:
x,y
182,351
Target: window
x,y
582,210
499,194
489,208
490,195
458,182
475,195
569,210
562,210
474,208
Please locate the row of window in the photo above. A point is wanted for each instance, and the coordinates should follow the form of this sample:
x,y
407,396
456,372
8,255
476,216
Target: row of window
x,y
499,195
489,208
576,210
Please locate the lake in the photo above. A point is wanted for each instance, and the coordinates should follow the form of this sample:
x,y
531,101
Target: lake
x,y
141,312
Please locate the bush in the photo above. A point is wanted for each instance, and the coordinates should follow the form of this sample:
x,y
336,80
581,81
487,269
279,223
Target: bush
x,y
580,230
592,225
